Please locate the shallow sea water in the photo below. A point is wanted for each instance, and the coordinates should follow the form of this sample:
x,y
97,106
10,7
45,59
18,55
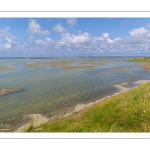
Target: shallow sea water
x,y
51,90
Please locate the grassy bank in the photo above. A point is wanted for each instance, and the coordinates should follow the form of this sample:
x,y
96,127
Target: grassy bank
x,y
127,112
142,59
145,62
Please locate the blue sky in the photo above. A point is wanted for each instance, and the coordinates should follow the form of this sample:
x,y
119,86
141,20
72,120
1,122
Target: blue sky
x,y
57,37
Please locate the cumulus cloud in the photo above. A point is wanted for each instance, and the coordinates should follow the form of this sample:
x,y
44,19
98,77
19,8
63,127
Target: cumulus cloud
x,y
59,28
138,42
117,39
7,28
35,28
138,31
71,21
84,43
7,46
5,33
8,43
98,38
40,46
81,38
7,39
107,38
46,41
148,25
79,43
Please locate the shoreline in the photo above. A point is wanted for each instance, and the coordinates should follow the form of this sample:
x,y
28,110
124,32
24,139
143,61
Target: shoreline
x,y
39,119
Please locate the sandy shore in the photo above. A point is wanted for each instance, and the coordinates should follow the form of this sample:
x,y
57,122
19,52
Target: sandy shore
x,y
120,88
38,119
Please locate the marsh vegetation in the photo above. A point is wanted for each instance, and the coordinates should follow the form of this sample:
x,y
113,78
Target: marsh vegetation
x,y
5,68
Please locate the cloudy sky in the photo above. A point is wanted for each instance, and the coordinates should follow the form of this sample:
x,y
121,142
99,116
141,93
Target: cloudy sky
x,y
57,37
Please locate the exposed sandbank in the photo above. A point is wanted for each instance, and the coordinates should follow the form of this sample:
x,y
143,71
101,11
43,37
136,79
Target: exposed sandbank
x,y
8,91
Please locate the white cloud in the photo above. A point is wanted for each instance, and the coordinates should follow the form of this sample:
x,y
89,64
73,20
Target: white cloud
x,y
7,46
7,28
59,28
48,39
7,39
138,42
5,33
40,42
45,42
106,37
71,21
148,25
35,28
76,44
80,43
117,39
98,38
72,39
138,31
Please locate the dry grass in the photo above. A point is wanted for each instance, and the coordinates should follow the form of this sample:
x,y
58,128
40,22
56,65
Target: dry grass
x,y
113,70
91,61
77,67
41,65
58,63
69,64
121,69
146,66
5,68
83,62
33,65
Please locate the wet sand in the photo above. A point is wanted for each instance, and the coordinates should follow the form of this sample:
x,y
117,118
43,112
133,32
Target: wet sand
x,y
38,119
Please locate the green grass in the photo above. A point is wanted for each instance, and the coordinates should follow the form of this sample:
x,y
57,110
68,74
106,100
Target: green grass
x,y
29,128
145,62
127,112
145,59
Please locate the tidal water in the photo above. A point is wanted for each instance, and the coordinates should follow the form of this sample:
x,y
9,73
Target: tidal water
x,y
50,89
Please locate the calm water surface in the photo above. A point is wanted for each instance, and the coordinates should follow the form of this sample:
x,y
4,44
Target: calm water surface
x,y
52,90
